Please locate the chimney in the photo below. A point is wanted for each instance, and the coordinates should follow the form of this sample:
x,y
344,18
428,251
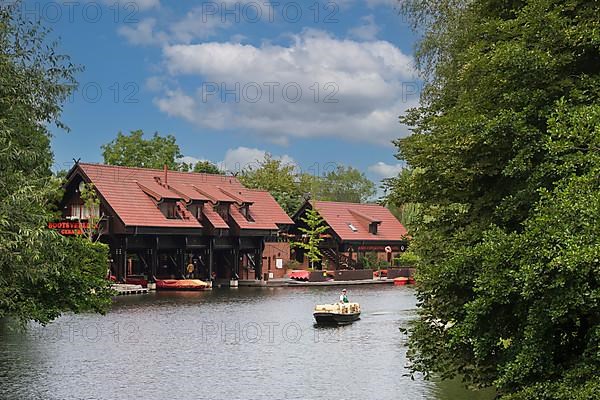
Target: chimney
x,y
166,175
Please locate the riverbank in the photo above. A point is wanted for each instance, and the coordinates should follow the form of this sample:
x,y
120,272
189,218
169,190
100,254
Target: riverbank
x,y
293,283
127,289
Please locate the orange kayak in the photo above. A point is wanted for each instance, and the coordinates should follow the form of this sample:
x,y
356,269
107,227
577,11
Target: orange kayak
x,y
181,284
400,281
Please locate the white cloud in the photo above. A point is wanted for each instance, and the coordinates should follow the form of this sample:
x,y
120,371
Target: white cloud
x,y
199,23
143,33
384,170
242,158
150,31
196,24
364,81
368,30
191,160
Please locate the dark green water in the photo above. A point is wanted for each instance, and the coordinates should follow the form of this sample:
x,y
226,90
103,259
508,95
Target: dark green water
x,y
224,344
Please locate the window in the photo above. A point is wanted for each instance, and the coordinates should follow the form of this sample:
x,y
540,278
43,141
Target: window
x,y
223,211
75,211
81,211
245,211
352,227
373,228
196,211
169,209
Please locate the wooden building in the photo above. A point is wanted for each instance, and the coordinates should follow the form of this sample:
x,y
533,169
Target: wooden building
x,y
158,222
354,230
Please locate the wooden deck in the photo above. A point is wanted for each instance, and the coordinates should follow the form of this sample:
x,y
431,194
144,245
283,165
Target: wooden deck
x,y
125,289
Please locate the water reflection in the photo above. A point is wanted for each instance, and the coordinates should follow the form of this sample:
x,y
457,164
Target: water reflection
x,y
226,344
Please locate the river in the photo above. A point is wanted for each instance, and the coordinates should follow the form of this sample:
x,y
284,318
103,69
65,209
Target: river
x,y
249,343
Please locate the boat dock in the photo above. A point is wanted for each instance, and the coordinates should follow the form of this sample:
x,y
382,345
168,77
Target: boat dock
x,y
126,289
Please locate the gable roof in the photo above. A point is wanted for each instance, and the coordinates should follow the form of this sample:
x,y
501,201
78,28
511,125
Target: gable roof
x,y
339,216
133,194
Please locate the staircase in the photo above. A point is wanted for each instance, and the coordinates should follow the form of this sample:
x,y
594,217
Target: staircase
x,y
339,260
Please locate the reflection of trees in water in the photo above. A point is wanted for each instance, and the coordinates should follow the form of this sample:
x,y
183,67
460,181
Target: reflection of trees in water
x,y
454,389
20,360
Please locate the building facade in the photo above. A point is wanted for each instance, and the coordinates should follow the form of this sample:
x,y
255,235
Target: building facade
x,y
158,223
354,230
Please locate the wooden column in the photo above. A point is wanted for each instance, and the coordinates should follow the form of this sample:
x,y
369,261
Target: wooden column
x,y
211,257
153,260
181,260
236,261
119,262
258,267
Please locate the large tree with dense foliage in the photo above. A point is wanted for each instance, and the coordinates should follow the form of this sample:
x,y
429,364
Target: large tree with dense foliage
x,y
207,167
290,188
276,177
134,150
41,273
504,164
345,184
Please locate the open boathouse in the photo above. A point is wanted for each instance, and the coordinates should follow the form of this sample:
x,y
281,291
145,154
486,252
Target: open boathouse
x,y
159,222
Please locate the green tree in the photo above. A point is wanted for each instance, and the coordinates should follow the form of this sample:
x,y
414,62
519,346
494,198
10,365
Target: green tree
x,y
504,165
134,151
276,177
207,167
290,188
345,184
94,219
315,226
41,273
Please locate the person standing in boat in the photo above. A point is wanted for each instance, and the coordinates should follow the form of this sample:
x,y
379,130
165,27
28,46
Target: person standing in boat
x,y
343,297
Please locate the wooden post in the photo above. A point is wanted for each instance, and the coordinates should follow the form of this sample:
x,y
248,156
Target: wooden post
x,y
258,267
181,259
210,257
151,256
236,261
124,271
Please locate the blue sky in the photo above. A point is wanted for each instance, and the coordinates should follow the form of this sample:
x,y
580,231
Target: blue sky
x,y
235,78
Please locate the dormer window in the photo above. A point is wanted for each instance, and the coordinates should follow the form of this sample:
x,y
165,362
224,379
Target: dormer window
x,y
196,210
223,210
373,228
169,209
245,211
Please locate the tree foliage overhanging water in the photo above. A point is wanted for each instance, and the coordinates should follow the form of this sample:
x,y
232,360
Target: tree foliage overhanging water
x,y
505,166
41,273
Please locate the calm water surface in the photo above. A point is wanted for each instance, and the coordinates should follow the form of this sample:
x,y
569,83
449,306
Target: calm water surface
x,y
224,344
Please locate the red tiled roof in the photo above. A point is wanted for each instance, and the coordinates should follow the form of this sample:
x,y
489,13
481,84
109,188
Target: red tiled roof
x,y
156,191
187,192
264,209
213,217
339,215
132,193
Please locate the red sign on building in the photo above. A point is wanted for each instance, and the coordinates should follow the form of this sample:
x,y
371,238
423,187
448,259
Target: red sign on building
x,y
68,228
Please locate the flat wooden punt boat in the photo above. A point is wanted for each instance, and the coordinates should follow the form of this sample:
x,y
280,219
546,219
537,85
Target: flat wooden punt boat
x,y
336,314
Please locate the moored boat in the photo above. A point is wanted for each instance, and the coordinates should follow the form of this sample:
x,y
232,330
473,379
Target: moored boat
x,y
181,284
336,314
136,280
401,281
